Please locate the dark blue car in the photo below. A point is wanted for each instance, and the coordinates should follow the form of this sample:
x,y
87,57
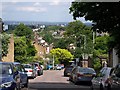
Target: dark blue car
x,y
9,77
22,73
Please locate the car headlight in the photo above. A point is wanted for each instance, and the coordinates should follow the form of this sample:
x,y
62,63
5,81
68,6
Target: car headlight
x,y
6,85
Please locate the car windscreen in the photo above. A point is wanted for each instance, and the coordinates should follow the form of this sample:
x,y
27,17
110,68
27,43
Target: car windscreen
x,y
86,70
5,69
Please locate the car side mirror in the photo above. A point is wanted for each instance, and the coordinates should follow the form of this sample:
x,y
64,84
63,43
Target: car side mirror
x,y
113,75
16,73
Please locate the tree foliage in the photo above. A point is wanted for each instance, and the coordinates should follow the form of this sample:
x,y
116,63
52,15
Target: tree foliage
x,y
104,15
81,37
20,52
24,51
62,55
5,42
63,43
48,37
23,30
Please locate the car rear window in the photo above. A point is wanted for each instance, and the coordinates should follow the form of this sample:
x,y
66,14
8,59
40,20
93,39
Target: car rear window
x,y
27,66
86,70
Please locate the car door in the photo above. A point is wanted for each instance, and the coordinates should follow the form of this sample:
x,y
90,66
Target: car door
x,y
23,75
115,76
74,74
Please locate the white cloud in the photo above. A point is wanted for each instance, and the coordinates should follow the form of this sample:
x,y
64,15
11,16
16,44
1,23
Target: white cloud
x,y
32,9
36,4
55,2
37,1
0,9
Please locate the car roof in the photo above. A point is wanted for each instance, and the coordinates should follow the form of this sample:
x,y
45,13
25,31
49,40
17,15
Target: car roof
x,y
16,63
6,62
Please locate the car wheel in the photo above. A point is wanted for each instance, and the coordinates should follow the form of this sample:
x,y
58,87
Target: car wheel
x,y
38,73
91,87
42,73
15,88
109,87
101,87
18,86
75,81
26,85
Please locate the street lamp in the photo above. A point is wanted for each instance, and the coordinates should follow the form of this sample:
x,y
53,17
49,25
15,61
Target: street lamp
x,y
84,47
53,61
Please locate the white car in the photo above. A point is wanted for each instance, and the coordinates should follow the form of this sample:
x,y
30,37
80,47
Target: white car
x,y
31,73
58,67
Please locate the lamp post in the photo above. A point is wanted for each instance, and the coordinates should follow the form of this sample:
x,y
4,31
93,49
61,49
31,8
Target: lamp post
x,y
84,47
53,61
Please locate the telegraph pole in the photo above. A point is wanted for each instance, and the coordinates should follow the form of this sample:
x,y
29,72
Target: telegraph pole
x,y
53,61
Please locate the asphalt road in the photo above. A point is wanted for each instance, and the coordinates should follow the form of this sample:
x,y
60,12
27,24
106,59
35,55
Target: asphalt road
x,y
54,80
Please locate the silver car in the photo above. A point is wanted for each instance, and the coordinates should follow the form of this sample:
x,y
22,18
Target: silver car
x,y
31,72
82,74
102,80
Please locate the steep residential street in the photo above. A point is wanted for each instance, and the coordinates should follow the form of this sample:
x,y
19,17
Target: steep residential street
x,y
54,79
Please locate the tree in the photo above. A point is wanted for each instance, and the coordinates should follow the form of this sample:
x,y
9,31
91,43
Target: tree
x,y
5,41
31,51
22,30
24,50
81,37
105,17
62,55
101,46
48,37
63,43
20,52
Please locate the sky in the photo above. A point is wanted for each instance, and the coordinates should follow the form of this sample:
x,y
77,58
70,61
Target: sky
x,y
36,10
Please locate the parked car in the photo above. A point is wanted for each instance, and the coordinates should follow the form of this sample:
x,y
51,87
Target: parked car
x,y
68,70
39,69
49,66
58,67
101,81
82,74
31,70
23,74
9,77
62,66
115,78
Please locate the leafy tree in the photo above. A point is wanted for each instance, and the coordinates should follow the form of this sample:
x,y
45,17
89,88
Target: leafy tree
x,y
63,43
100,51
62,55
80,34
22,30
54,28
104,15
48,37
20,46
31,51
97,64
24,50
5,41
101,47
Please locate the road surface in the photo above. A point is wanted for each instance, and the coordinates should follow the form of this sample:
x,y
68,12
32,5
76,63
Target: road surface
x,y
54,80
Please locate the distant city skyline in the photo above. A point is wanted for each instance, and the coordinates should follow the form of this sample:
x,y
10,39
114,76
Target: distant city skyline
x,y
54,11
